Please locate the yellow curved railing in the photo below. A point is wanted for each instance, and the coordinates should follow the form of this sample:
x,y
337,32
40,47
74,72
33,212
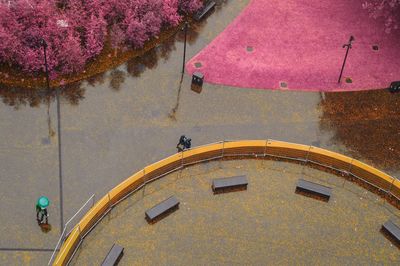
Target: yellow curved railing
x,y
241,149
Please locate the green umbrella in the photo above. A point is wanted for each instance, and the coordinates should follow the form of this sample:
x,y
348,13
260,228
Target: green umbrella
x,y
43,202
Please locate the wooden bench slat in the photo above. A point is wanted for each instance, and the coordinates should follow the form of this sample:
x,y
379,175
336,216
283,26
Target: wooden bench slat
x,y
314,188
113,256
162,208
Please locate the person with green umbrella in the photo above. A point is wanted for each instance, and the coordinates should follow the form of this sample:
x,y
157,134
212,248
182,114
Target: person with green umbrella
x,y
41,209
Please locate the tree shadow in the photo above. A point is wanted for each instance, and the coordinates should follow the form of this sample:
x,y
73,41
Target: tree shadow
x,y
193,31
138,65
97,79
18,97
74,93
117,78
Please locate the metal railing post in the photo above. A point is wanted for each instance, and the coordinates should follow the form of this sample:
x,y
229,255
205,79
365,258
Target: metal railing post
x,y
223,149
305,162
391,185
182,159
351,166
80,232
93,200
308,154
349,171
265,148
144,183
109,199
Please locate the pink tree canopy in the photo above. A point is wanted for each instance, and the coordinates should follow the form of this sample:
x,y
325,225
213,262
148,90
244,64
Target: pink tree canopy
x,y
75,30
389,10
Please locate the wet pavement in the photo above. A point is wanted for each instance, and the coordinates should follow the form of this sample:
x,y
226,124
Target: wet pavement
x,y
266,224
116,123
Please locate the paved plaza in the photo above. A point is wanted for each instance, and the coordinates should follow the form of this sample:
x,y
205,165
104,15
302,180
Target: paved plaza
x,y
120,121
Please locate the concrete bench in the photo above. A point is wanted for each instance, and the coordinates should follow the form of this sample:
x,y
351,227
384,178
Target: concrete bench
x,y
113,256
229,184
207,7
313,188
162,209
393,230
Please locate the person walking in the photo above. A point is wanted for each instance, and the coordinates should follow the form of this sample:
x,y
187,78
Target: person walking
x,y
41,209
184,143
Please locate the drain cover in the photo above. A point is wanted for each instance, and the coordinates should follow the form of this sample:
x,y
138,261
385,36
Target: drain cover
x,y
349,80
283,84
249,49
375,47
198,65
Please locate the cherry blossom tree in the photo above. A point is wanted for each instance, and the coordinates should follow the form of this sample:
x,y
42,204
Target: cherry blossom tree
x,y
75,31
389,10
189,6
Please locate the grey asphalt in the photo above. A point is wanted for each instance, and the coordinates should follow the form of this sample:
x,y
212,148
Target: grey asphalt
x,y
120,121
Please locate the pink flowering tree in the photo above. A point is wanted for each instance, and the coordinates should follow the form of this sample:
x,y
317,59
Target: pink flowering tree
x,y
74,34
189,6
389,10
133,22
76,30
170,12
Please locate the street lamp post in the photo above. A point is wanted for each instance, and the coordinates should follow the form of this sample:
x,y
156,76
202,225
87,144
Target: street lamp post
x,y
44,44
349,46
185,28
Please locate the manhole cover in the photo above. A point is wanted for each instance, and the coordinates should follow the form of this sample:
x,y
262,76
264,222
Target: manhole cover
x,y
249,49
349,80
283,84
198,65
375,47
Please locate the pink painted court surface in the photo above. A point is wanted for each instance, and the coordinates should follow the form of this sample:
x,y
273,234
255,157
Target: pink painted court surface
x,y
299,42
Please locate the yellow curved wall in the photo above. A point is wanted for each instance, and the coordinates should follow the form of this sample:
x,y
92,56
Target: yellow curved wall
x,y
249,148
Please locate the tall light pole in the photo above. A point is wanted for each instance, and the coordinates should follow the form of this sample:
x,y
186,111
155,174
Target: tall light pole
x,y
44,44
349,46
185,28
